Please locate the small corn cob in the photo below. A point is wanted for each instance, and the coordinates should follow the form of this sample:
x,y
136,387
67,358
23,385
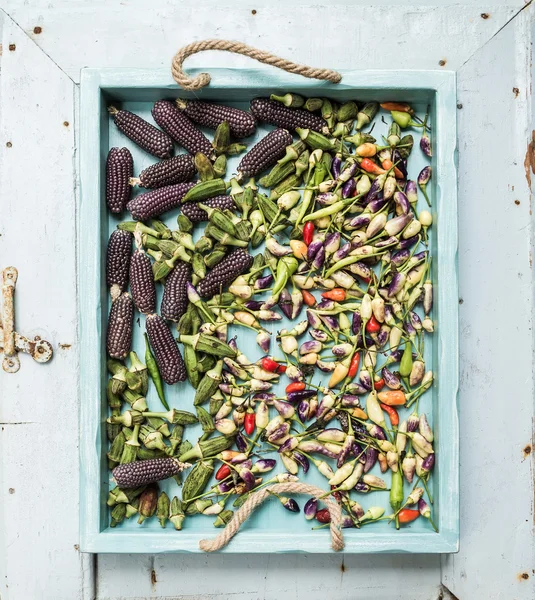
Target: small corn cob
x,y
175,297
120,322
168,357
167,172
154,203
196,214
142,282
117,261
241,123
265,153
180,128
119,169
236,263
145,135
142,472
275,113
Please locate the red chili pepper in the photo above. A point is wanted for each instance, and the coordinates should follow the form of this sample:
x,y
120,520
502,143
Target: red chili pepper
x,y
336,495
308,298
268,364
223,472
282,369
354,365
323,515
373,325
407,515
379,384
368,165
337,294
308,232
366,279
392,413
249,422
295,386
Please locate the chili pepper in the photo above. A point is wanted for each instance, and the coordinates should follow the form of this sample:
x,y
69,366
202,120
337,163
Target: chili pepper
x,y
373,325
379,384
336,294
392,413
408,515
396,493
354,365
223,472
154,372
268,364
368,165
399,106
323,515
308,232
405,366
295,386
249,422
308,298
392,398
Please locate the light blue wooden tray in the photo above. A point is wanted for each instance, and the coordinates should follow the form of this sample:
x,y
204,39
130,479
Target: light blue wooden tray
x,y
271,529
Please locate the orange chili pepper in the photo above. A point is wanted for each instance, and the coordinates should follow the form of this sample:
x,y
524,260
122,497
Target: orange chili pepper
x,y
387,164
373,325
392,397
308,298
398,174
379,384
407,515
354,365
359,414
295,386
369,166
337,294
400,106
392,413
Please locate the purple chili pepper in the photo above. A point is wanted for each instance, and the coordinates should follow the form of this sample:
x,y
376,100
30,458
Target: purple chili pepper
x,y
376,432
365,380
411,191
400,257
302,460
326,304
356,324
425,144
285,303
311,507
288,445
313,320
303,409
348,173
407,326
347,447
285,410
241,442
351,401
326,367
313,248
377,205
265,397
331,322
342,252
400,162
371,458
382,336
311,346
360,221
392,381
413,423
349,188
416,322
226,388
332,242
319,259
336,165
362,487
428,463
327,198
318,335
389,241
232,343
264,465
375,190
301,395
253,304
263,282
279,432
225,486
302,268
403,202
397,283
244,464
291,505
408,243
347,522
358,452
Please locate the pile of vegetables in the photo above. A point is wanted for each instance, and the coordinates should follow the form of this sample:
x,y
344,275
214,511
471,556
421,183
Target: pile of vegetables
x,y
320,225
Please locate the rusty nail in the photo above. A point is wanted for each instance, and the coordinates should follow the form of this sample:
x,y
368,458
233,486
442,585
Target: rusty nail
x,y
442,62
37,30
12,47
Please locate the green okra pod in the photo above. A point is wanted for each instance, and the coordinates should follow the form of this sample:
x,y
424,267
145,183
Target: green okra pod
x,y
154,372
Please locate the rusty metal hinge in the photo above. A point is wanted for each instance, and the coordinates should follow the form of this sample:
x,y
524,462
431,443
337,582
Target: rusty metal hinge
x,y
10,341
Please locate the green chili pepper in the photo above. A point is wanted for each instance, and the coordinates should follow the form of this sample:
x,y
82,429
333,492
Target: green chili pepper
x,y
396,493
154,372
286,267
405,366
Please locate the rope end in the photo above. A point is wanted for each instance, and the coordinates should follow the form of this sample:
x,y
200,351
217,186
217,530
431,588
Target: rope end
x,y
191,84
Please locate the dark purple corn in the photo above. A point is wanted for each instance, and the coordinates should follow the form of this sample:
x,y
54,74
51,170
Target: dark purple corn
x,y
142,282
154,203
236,263
168,357
196,214
275,113
142,472
175,296
180,128
241,123
265,153
167,172
145,135
118,261
120,322
119,169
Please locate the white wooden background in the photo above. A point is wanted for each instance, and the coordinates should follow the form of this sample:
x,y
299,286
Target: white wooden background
x,y
44,44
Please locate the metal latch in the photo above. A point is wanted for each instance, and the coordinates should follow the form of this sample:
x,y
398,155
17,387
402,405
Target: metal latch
x,y
10,341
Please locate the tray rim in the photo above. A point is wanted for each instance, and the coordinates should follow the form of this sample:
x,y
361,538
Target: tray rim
x,y
443,84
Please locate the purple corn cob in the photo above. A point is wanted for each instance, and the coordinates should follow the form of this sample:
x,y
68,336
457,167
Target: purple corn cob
x,y
236,263
275,113
241,123
142,282
167,172
168,357
142,472
180,128
145,135
196,214
119,169
154,203
265,153
120,321
118,261
175,296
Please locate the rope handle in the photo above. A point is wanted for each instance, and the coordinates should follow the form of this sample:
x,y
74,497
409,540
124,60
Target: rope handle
x,y
256,499
203,79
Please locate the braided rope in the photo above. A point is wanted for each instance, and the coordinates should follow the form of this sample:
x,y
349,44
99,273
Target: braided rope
x,y
256,499
203,79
